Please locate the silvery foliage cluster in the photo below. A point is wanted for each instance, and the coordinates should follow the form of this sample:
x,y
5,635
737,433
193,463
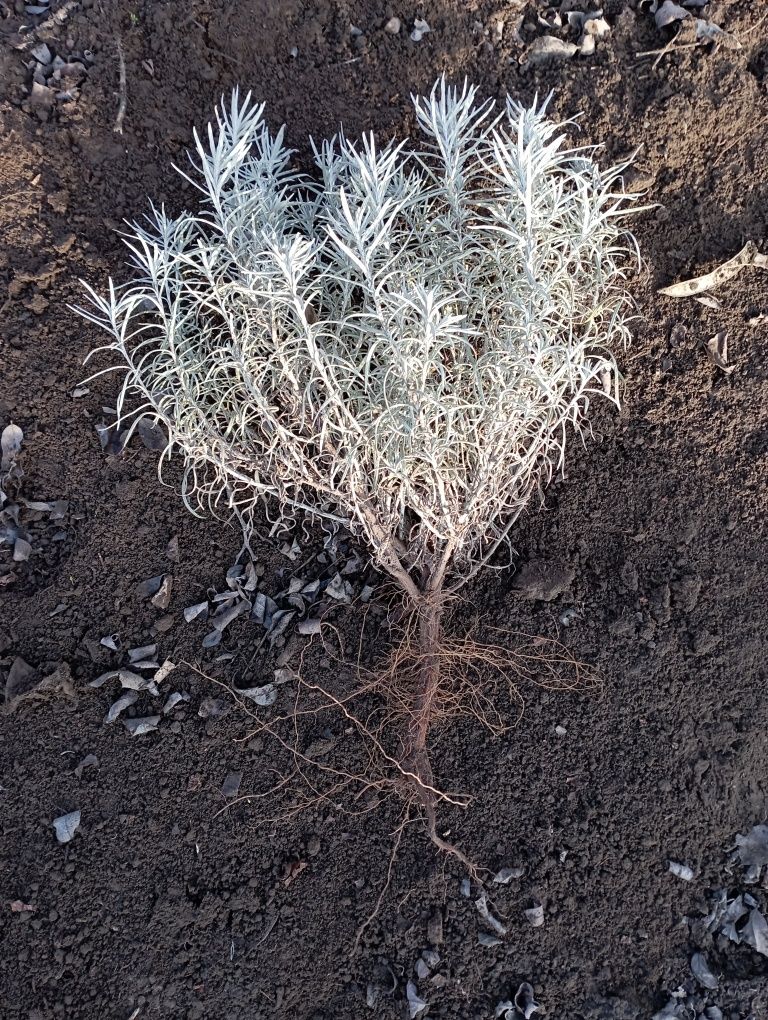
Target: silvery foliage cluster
x,y
399,343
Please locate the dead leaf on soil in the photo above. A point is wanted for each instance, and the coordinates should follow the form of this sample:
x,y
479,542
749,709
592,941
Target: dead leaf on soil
x,y
548,48
174,699
535,915
263,696
668,13
755,932
142,652
481,904
681,871
416,1005
66,826
163,597
231,785
150,587
21,678
90,761
701,971
309,627
717,351
214,708
200,610
10,444
145,724
152,435
123,702
753,851
20,907
292,870
525,1003
748,257
505,876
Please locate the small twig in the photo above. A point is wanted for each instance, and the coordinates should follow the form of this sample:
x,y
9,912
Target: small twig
x,y
118,128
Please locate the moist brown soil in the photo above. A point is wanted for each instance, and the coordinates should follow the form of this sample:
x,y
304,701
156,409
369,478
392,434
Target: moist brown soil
x,y
163,907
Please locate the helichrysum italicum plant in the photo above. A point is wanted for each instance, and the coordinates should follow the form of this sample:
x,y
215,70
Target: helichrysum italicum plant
x,y
399,344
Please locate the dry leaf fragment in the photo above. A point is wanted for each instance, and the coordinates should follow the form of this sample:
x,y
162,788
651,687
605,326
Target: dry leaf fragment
x,y
309,627
174,699
10,444
708,31
214,708
66,826
755,932
90,761
149,587
749,256
416,1005
138,727
193,612
481,903
681,871
22,550
142,652
231,785
753,851
525,1003
263,696
163,597
548,48
166,668
668,13
717,351
701,971
222,619
20,907
420,29
505,876
535,915
123,702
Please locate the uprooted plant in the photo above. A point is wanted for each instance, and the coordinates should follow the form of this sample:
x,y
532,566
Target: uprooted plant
x,y
398,346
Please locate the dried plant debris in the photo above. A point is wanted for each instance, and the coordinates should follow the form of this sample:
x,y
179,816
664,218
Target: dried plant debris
x,y
416,1005
262,696
295,606
752,852
231,785
681,871
481,904
523,1005
214,708
505,875
162,598
749,257
420,29
717,351
174,699
198,611
535,915
123,702
89,762
66,826
150,587
702,972
139,726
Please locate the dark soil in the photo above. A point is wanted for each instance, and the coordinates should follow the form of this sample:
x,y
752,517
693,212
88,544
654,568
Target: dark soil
x,y
163,908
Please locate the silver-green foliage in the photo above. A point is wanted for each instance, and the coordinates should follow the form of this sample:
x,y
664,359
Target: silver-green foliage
x,y
398,343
